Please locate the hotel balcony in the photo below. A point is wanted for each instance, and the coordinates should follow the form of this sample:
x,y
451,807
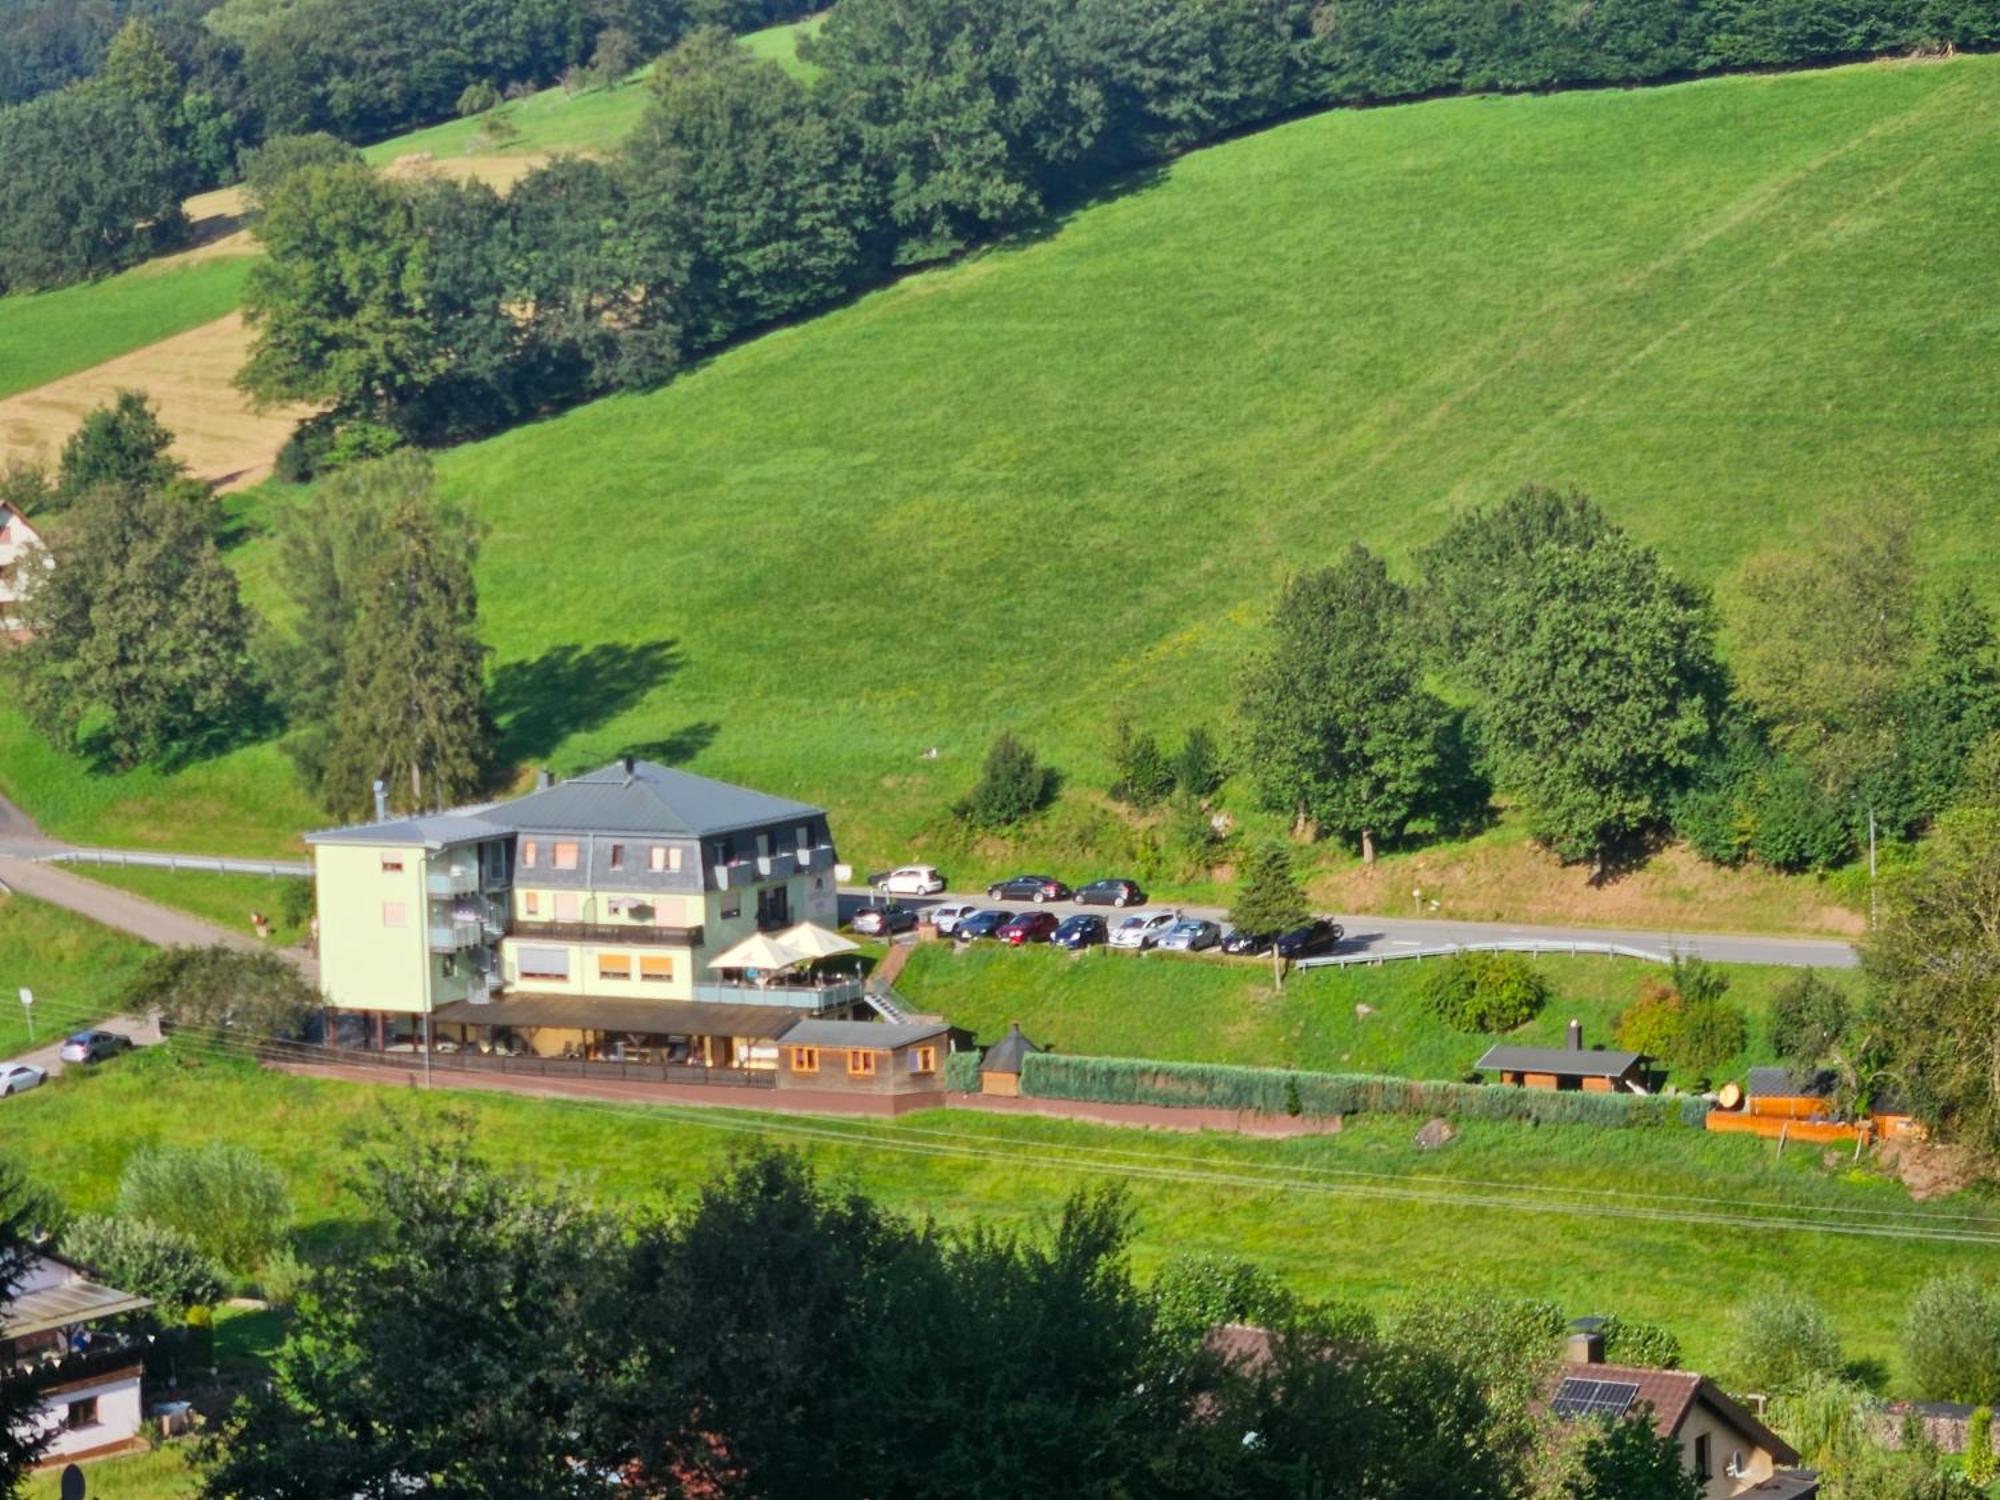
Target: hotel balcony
x,y
451,882
450,937
641,934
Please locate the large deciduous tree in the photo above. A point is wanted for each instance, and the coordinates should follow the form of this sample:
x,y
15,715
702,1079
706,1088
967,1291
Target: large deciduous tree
x,y
138,642
1341,731
122,443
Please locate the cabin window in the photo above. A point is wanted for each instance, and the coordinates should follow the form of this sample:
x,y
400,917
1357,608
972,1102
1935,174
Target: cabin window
x,y
923,1060
395,914
565,856
530,852
392,864
544,963
617,856
805,1059
531,903
656,968
1704,1468
860,1063
81,1414
614,966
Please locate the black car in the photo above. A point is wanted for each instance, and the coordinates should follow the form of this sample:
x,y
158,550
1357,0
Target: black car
x,y
1111,893
1028,888
1317,936
982,924
880,921
1239,941
1080,931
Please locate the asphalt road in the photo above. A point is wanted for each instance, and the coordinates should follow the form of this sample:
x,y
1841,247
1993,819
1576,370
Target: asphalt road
x,y
1386,936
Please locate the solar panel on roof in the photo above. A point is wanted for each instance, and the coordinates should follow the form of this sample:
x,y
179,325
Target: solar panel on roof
x,y
1577,1397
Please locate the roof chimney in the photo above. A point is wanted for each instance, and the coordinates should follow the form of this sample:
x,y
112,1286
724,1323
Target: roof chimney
x,y
630,766
544,779
1576,1036
381,801
1584,1348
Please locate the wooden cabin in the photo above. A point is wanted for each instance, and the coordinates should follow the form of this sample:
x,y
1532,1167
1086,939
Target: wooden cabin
x,y
872,1058
1000,1069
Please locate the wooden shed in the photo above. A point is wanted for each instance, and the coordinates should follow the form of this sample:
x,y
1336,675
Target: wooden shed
x,y
1000,1070
1591,1070
866,1057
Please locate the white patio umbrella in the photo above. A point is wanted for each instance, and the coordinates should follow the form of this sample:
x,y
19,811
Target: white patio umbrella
x,y
760,950
810,941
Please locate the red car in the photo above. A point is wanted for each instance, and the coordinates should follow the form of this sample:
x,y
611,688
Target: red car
x,y
1029,927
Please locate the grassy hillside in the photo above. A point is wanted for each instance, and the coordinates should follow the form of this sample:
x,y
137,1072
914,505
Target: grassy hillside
x,y
1067,476
50,334
1362,1214
1223,1011
74,967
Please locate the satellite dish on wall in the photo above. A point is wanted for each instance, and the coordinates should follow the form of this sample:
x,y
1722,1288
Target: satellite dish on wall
x,y
72,1482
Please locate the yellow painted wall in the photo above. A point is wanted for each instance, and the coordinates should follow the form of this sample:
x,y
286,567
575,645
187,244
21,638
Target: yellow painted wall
x,y
583,972
365,965
669,910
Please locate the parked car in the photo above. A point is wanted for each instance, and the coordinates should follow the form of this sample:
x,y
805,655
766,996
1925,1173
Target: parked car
x,y
912,880
94,1046
1029,888
1239,941
882,921
1080,931
983,923
1111,893
1143,929
1317,936
1029,927
946,918
1190,935
18,1078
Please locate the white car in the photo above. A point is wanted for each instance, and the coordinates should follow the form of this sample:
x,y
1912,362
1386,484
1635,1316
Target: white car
x,y
946,918
18,1078
1190,936
1143,929
912,880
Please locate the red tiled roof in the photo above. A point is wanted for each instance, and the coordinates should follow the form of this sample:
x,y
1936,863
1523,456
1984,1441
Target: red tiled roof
x,y
1672,1393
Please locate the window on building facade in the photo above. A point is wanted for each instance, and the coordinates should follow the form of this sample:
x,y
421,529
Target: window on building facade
x,y
81,1414
530,852
656,968
860,1063
923,1060
614,966
805,838
617,856
531,903
674,858
1704,1469
565,856
656,858
395,914
544,963
392,864
805,1059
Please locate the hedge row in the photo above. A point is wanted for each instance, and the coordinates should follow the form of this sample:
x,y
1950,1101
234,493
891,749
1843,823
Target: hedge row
x,y
1277,1091
961,1072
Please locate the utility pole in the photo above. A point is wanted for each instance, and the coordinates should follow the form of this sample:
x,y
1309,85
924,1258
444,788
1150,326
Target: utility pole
x,y
1871,869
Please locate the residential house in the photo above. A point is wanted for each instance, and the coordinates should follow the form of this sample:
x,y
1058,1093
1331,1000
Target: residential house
x,y
1593,1070
902,1059
86,1377
18,542
581,921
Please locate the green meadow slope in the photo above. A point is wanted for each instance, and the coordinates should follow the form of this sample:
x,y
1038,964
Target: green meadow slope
x,y
1065,477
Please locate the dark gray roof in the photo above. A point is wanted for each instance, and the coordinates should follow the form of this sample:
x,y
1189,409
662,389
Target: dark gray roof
x,y
652,799
1782,1083
433,831
639,1017
882,1036
1005,1055
1570,1060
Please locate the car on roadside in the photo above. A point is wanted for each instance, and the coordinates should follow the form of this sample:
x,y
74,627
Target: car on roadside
x,y
911,880
1110,893
94,1046
1317,936
884,921
1239,941
1036,888
18,1078
1143,929
1029,927
946,918
1189,935
1079,932
982,924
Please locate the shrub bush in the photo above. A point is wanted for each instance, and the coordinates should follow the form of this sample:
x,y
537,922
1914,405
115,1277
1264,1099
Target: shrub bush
x,y
1652,1023
1981,1466
1951,1339
1684,1021
1012,785
1647,1345
1485,991
226,1199
150,1259
1711,1034
1785,1342
1124,1080
1809,1016
1794,825
961,1072
1200,1291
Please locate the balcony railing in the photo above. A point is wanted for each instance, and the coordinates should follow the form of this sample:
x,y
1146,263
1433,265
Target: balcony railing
x,y
796,996
780,864
644,934
449,937
451,882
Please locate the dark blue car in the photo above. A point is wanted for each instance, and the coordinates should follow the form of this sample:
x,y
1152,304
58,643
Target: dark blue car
x,y
982,924
1079,932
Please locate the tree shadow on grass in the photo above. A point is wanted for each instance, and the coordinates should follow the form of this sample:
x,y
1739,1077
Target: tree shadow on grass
x,y
537,704
681,746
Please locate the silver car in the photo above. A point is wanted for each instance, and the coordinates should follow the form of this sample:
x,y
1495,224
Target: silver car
x,y
1143,929
18,1078
1190,936
946,918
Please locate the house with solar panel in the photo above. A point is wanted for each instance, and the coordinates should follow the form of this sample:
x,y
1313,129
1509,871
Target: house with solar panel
x,y
636,915
85,1374
1728,1450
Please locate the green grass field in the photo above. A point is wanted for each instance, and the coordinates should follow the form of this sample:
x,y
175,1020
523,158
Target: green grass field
x,y
226,900
1671,1225
51,334
1067,476
1224,1011
73,966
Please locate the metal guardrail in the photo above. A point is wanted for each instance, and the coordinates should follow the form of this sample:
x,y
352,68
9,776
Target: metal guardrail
x,y
1539,949
213,864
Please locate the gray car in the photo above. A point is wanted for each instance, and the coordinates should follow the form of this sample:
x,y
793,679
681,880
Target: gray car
x,y
1190,936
